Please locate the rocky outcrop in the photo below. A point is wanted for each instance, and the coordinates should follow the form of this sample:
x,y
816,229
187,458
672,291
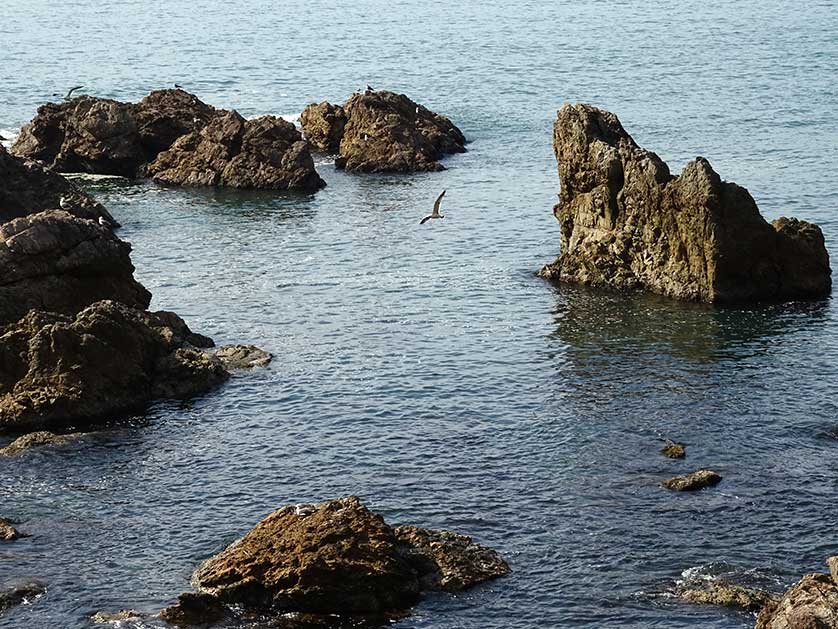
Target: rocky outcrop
x,y
727,595
381,131
674,450
26,187
266,153
337,557
57,262
109,137
122,616
811,603
627,223
24,592
242,356
37,439
196,610
108,359
8,533
693,482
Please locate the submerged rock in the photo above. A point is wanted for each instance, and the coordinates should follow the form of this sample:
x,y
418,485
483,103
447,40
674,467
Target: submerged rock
x,y
674,450
58,262
37,439
382,132
339,558
243,356
626,222
266,153
123,615
727,595
26,187
8,533
693,482
812,603
24,592
196,610
108,359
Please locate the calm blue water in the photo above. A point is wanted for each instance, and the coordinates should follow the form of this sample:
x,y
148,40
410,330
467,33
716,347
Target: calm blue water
x,y
426,369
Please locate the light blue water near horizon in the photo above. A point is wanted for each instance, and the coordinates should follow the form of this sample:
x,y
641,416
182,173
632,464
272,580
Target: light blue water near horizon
x,y
427,369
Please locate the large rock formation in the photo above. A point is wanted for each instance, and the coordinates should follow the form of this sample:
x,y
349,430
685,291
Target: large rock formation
x,y
337,557
108,359
109,137
58,262
626,222
26,187
382,132
812,603
265,152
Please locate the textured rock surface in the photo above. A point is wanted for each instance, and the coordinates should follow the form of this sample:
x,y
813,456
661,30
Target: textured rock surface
x,y
8,532
196,610
266,153
626,222
674,450
812,603
104,136
123,615
109,359
727,595
27,188
23,592
55,261
242,356
36,439
448,561
692,482
382,132
832,563
323,125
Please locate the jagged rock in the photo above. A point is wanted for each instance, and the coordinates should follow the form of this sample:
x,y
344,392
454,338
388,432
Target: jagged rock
x,y
674,450
382,132
26,187
23,592
449,561
58,262
727,595
8,533
108,137
35,440
123,615
337,557
626,222
196,610
243,356
812,603
109,359
692,482
323,125
265,153
832,562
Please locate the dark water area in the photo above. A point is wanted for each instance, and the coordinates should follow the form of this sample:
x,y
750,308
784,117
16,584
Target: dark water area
x,y
426,369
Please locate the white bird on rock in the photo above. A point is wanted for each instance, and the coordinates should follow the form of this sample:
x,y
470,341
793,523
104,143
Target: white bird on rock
x,y
65,203
435,213
105,223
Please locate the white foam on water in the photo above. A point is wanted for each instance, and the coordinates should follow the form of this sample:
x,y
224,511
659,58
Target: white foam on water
x,y
9,136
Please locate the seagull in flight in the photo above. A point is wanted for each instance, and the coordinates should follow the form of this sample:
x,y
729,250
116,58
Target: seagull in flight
x,y
435,213
69,95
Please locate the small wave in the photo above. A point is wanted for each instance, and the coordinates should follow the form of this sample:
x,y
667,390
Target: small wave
x,y
293,118
9,136
93,177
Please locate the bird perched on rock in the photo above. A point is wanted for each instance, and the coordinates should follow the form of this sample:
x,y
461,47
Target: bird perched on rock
x,y
105,223
178,87
65,203
369,90
435,213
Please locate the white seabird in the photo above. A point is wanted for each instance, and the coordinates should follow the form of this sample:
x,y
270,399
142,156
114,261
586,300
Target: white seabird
x,y
435,213
65,203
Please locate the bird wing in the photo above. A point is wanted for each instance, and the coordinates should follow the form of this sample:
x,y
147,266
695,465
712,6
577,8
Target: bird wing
x,y
422,222
437,202
73,89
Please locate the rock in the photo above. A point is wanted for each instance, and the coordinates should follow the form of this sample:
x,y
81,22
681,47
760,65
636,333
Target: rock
x,y
265,153
627,223
109,359
196,610
812,603
727,595
674,450
242,356
448,561
58,262
27,188
692,482
24,592
323,125
37,439
108,137
123,615
8,533
832,562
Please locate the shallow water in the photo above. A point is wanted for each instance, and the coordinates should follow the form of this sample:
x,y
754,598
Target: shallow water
x,y
427,369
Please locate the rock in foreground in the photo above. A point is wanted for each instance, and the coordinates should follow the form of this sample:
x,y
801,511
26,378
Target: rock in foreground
x,y
27,188
266,153
58,262
242,356
812,603
627,223
109,359
195,610
8,533
693,482
36,439
337,557
24,592
727,595
381,131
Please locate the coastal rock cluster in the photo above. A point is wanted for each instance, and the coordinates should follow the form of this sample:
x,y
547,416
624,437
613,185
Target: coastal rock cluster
x,y
811,602
627,222
380,131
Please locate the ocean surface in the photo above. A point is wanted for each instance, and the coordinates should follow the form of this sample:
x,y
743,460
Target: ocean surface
x,y
426,369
